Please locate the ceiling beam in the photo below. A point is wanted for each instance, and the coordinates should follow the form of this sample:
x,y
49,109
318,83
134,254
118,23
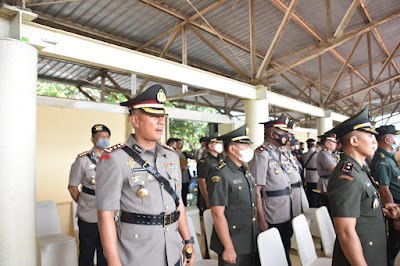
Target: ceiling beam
x,y
252,37
327,46
346,19
277,37
189,94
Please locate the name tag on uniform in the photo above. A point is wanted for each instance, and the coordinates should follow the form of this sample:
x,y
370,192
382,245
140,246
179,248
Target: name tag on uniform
x,y
140,169
237,181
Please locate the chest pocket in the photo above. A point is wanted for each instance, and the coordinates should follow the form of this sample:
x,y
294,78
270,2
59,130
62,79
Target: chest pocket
x,y
90,172
396,173
139,184
240,191
371,204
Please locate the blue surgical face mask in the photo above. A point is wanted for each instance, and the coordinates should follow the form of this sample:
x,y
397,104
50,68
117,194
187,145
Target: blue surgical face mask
x,y
103,144
396,143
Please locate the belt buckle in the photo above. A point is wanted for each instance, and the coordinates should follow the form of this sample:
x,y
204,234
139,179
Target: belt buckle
x,y
167,221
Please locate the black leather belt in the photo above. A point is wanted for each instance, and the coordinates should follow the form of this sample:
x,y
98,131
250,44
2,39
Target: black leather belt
x,y
163,218
88,191
325,176
282,192
311,169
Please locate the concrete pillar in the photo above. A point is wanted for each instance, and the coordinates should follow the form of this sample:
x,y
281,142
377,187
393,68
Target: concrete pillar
x,y
256,111
324,123
18,76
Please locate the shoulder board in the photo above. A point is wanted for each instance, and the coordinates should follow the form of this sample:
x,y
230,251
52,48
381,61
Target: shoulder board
x,y
83,154
168,147
115,147
220,165
260,148
347,167
382,155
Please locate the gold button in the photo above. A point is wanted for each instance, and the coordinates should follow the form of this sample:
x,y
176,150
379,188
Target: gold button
x,y
370,243
240,187
136,236
252,205
254,219
234,227
142,182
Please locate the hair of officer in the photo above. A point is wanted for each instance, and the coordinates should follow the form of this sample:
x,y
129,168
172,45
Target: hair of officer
x,y
310,144
227,145
268,131
170,141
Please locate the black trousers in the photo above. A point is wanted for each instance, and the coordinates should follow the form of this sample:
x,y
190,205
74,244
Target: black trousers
x,y
89,241
251,259
286,232
185,191
394,242
311,195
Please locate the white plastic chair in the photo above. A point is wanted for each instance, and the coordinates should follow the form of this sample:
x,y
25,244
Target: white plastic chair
x,y
208,229
194,213
327,230
270,248
54,248
305,244
199,258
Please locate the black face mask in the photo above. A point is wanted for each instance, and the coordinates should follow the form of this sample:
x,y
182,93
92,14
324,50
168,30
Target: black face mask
x,y
282,138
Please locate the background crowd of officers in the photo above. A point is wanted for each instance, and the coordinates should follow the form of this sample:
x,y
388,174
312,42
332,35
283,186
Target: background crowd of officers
x,y
146,183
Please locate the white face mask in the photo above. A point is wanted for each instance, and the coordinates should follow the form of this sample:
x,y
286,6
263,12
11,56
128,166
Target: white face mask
x,y
246,155
218,147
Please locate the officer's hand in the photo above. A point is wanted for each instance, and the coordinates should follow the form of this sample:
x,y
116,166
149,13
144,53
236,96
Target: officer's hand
x,y
188,260
392,210
229,255
263,226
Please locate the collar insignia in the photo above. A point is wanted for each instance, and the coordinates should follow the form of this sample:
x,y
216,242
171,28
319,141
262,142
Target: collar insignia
x,y
347,167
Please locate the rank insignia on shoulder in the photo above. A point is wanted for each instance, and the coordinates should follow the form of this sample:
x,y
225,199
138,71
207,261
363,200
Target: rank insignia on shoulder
x,y
345,177
220,166
201,161
115,147
382,155
83,154
105,157
215,179
260,149
347,167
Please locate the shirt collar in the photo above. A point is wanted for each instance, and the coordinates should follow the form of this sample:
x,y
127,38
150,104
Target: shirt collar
x,y
385,152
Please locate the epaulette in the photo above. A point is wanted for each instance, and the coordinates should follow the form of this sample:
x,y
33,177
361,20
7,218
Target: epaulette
x,y
261,148
115,147
83,154
168,147
220,165
347,167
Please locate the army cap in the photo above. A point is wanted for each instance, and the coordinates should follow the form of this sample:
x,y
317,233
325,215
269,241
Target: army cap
x,y
384,130
310,141
239,135
358,122
150,101
100,128
280,123
328,135
213,138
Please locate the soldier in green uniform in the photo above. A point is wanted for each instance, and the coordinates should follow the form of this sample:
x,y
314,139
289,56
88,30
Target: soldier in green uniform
x,y
232,198
386,171
355,203
142,179
206,164
83,172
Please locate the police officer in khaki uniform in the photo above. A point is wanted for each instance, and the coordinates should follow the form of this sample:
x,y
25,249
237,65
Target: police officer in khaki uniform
x,y
309,159
274,202
83,172
232,199
325,164
386,171
354,199
142,179
206,164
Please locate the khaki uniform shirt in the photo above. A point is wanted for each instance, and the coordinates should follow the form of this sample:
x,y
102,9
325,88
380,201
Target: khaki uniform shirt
x,y
119,178
267,172
295,181
385,170
233,187
325,160
82,171
353,194
310,157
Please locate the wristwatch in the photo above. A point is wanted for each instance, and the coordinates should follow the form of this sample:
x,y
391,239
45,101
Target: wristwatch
x,y
188,241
